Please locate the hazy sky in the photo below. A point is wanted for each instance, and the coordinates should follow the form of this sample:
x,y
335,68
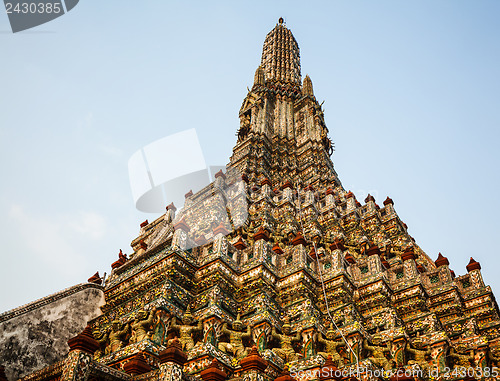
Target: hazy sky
x,y
411,92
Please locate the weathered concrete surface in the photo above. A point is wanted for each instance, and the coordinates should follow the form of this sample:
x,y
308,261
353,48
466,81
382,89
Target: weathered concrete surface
x,y
35,335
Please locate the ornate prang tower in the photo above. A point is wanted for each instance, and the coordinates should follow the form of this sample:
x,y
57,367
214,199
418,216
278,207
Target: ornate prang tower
x,y
282,133
275,265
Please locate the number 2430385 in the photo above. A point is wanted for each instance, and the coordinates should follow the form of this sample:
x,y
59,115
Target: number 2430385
x,y
471,372
33,7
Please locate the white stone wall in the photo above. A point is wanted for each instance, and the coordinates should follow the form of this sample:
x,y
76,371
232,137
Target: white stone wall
x,y
35,335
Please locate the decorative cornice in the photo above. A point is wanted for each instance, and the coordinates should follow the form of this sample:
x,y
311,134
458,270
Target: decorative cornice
x,y
213,373
137,365
329,371
253,361
299,240
182,225
408,254
84,342
173,353
261,234
284,375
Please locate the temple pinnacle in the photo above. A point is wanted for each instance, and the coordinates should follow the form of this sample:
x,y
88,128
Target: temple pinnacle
x,y
281,56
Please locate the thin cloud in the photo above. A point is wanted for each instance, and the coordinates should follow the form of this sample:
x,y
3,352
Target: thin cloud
x,y
90,225
57,240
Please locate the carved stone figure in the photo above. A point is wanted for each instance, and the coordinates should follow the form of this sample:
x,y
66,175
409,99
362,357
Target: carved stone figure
x,y
186,329
102,339
244,127
331,346
286,351
236,335
141,326
420,357
250,232
461,360
378,355
494,356
117,336
326,141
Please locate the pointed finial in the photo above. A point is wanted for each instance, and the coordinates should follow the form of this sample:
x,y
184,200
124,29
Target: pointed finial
x,y
307,86
388,201
473,265
171,206
441,261
369,198
95,278
259,78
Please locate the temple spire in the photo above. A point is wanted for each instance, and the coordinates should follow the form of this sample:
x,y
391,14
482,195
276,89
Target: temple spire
x,y
307,86
280,114
281,55
259,78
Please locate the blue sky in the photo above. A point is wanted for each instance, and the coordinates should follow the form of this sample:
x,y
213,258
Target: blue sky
x,y
411,94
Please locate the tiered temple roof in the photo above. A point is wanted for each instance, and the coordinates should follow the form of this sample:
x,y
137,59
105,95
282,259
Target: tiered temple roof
x,y
275,268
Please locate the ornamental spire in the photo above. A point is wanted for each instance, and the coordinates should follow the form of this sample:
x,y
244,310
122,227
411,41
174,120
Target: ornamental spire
x,y
281,55
307,87
259,78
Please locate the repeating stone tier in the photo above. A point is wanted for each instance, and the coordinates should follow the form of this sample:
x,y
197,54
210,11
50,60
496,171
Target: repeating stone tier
x,y
271,276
